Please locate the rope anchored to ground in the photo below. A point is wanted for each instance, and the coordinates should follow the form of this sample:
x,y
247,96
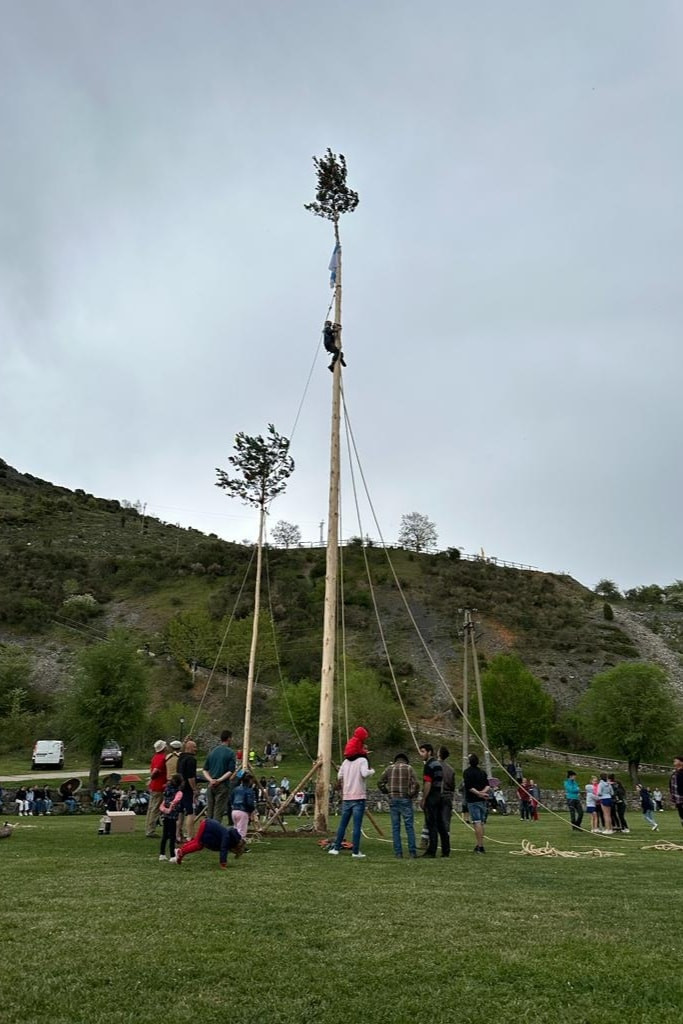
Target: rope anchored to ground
x,y
529,850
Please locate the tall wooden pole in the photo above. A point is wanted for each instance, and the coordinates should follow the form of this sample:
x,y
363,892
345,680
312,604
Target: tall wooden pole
x,y
246,735
480,698
465,696
322,789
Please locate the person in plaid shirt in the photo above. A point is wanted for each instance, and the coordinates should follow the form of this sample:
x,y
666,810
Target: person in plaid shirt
x,y
400,784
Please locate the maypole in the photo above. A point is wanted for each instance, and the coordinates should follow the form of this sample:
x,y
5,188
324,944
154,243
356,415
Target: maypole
x,y
333,198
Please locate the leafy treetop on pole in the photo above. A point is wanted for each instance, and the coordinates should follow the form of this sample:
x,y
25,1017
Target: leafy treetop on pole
x,y
263,467
333,196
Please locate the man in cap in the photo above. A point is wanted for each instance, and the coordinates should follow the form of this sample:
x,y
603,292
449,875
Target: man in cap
x,y
172,757
157,784
400,784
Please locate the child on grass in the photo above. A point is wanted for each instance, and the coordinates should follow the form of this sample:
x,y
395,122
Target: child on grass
x,y
169,811
214,836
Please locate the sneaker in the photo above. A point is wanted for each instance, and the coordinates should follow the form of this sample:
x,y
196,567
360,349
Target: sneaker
x,y
626,831
177,859
358,856
655,828
333,851
608,831
162,856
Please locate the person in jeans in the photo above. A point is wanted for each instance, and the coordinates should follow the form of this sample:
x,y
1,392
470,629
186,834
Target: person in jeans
x,y
353,772
432,784
648,806
573,797
219,768
477,792
400,784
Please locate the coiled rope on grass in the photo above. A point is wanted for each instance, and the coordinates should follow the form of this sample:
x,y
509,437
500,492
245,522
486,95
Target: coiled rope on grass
x,y
529,850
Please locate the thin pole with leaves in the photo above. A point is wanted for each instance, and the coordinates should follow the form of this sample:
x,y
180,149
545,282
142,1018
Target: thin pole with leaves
x,y
262,468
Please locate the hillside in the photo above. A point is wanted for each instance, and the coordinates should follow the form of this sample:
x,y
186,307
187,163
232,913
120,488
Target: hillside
x,y
57,546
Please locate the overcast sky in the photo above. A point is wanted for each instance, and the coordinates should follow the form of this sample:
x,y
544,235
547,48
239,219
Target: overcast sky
x,y
512,275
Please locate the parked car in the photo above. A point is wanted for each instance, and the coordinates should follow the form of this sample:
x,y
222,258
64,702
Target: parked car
x,y
112,755
48,754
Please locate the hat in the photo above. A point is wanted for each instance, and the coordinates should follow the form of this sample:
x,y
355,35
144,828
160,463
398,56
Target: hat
x,y
175,745
159,746
402,756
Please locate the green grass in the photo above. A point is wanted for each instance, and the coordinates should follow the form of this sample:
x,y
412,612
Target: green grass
x,y
95,929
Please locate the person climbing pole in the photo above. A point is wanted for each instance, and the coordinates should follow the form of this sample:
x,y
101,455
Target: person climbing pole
x,y
331,343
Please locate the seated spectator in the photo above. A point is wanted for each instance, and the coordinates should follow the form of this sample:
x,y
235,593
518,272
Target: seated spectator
x,y
21,802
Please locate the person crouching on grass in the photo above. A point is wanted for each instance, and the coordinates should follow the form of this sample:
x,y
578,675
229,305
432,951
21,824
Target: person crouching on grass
x,y
214,836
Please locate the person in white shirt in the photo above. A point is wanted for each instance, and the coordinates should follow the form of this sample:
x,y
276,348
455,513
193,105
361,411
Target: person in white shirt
x,y
352,774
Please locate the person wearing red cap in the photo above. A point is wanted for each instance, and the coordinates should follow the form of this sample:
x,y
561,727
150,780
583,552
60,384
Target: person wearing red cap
x,y
352,774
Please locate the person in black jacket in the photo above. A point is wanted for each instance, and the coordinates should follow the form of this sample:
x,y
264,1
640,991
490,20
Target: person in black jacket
x,y
432,785
331,343
477,792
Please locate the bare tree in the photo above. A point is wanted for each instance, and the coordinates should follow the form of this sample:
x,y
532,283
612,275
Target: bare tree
x,y
286,535
417,532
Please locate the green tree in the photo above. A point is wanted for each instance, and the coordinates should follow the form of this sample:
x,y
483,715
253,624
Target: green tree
x,y
299,708
286,535
15,669
631,711
263,466
109,699
417,532
237,646
192,637
607,589
518,710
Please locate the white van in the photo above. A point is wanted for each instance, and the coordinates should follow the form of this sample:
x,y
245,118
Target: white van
x,y
48,754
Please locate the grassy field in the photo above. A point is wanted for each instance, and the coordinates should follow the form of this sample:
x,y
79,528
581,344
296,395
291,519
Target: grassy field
x,y
95,929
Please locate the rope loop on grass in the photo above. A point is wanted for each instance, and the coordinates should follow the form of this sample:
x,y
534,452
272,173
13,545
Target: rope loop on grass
x,y
529,850
663,846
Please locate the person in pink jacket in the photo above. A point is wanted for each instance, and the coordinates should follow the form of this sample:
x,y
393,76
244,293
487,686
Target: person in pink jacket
x,y
352,774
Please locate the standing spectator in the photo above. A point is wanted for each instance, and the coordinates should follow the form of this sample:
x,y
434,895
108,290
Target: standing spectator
x,y
172,757
606,799
524,800
353,772
676,786
400,784
477,792
647,804
187,770
20,799
447,788
619,807
535,794
573,798
432,784
657,797
157,784
219,768
243,803
169,810
284,787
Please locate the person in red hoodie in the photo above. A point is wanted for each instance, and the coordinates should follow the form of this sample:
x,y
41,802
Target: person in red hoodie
x,y
353,773
356,745
157,785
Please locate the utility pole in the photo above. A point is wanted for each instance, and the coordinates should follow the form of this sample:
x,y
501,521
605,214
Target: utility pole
x,y
465,697
333,198
480,699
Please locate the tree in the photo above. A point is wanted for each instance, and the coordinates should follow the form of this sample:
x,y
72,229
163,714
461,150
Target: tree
x,y
417,532
333,195
631,711
263,468
286,535
607,589
192,637
299,708
652,594
237,647
518,710
109,699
